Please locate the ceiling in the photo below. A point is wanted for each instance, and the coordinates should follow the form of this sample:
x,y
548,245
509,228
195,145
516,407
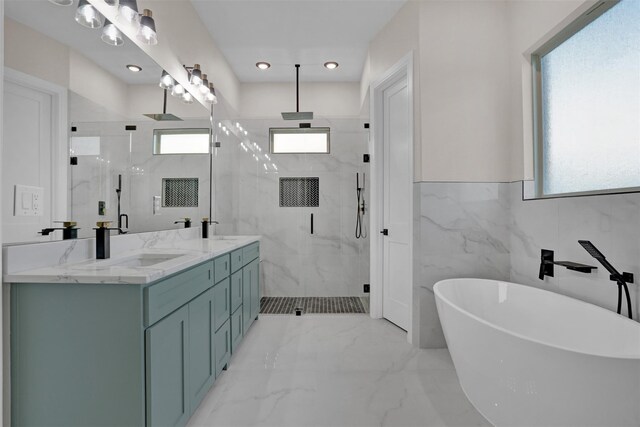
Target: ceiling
x,y
283,33
58,23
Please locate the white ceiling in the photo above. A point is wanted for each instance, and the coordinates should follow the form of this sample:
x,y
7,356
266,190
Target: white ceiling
x,y
58,23
283,33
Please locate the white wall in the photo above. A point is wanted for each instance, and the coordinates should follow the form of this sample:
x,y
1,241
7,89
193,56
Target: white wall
x,y
268,100
465,115
88,79
34,53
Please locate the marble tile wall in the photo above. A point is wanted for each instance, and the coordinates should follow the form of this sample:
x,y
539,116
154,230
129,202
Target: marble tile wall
x,y
486,230
464,231
330,262
611,222
130,154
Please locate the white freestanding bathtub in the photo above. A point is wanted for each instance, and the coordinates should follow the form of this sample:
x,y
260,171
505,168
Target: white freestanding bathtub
x,y
529,357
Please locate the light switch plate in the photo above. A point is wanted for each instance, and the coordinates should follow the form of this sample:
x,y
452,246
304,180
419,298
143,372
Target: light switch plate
x,y
28,201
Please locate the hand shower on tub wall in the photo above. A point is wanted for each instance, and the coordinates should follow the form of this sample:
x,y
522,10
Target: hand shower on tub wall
x,y
361,230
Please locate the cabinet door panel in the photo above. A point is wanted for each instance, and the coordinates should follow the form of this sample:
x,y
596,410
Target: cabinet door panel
x,y
201,367
255,288
246,299
167,368
221,303
236,290
236,329
222,347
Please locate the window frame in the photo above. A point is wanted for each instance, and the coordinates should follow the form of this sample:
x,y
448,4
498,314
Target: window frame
x,y
563,35
178,131
294,130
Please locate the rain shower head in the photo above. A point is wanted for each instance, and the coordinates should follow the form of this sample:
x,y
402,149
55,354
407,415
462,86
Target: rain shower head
x,y
304,115
164,116
298,115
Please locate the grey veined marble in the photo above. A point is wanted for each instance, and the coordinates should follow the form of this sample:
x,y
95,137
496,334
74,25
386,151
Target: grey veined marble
x,y
486,230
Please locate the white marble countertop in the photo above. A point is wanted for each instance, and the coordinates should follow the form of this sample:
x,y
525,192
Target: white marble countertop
x,y
182,253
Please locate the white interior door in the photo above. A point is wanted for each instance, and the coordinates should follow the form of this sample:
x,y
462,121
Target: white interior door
x,y
26,159
396,204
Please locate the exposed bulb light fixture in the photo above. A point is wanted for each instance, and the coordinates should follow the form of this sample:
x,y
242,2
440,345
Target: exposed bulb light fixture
x,y
87,16
263,65
187,98
62,2
211,97
204,87
177,90
111,35
134,68
166,81
147,30
196,75
331,65
129,10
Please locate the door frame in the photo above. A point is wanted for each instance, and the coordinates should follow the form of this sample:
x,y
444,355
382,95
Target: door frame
x,y
402,69
59,140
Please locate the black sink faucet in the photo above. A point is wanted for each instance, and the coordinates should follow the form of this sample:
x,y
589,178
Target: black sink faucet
x,y
69,230
205,227
103,239
185,221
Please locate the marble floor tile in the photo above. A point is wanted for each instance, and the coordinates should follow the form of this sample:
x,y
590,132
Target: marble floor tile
x,y
335,370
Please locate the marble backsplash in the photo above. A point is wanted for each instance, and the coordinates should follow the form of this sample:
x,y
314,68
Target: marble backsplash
x,y
486,230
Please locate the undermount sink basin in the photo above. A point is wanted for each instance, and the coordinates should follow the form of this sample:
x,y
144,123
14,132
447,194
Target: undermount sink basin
x,y
143,260
138,260
225,237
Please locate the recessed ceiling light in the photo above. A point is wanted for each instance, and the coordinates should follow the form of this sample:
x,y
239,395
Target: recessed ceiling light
x,y
263,65
331,65
134,68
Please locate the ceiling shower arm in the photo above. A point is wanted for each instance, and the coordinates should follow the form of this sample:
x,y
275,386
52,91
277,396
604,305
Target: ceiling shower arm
x,y
297,88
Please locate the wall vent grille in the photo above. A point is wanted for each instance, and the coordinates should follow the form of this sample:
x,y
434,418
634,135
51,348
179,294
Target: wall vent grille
x,y
299,192
180,192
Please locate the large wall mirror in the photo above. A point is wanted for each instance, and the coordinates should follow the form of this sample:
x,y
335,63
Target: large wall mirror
x,y
77,143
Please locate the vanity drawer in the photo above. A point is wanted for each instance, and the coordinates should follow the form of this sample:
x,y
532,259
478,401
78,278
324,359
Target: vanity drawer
x,y
236,260
168,295
221,267
250,252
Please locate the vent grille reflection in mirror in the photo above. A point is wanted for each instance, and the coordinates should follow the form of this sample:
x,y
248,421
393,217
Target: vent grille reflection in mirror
x,y
180,192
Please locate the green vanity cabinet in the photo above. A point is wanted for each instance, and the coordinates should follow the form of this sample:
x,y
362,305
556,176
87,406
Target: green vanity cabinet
x,y
251,293
201,347
168,371
126,354
222,347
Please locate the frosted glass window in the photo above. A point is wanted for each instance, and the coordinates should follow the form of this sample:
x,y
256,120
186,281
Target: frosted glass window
x,y
85,146
181,141
299,140
590,106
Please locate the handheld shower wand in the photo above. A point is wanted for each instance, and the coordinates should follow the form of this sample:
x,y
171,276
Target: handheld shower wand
x,y
361,231
615,276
